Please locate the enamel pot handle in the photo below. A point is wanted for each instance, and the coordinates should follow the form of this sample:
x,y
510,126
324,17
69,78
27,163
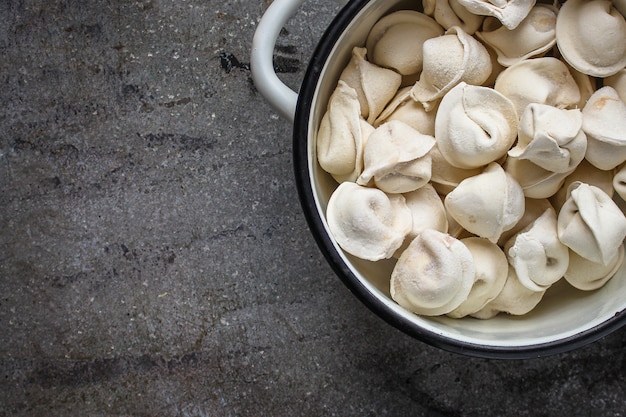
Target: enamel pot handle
x,y
282,98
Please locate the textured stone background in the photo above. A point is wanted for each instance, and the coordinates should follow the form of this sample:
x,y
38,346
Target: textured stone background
x,y
154,260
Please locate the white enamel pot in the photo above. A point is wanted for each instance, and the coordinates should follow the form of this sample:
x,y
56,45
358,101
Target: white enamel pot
x,y
564,320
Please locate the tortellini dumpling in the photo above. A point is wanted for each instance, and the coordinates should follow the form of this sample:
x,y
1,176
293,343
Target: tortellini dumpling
x,y
487,204
433,275
591,224
534,36
533,208
445,176
491,269
396,40
342,135
475,126
402,107
604,122
396,158
591,35
587,275
544,80
450,13
514,299
375,85
551,138
367,222
427,209
509,12
536,253
448,60
427,212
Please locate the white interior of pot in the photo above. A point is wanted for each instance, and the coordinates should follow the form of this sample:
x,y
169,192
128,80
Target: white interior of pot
x,y
563,312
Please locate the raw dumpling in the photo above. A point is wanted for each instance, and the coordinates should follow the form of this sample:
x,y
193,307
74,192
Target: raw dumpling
x,y
449,60
375,86
604,122
537,254
475,126
591,224
587,275
445,176
544,80
534,180
491,272
402,107
433,275
591,36
427,212
514,299
551,138
396,40
487,204
534,36
533,208
342,135
396,158
450,13
509,12
367,222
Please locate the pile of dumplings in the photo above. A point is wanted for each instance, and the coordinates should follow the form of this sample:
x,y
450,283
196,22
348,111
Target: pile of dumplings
x,y
482,145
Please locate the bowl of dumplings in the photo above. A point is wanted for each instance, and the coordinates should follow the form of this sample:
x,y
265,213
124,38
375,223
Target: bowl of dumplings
x,y
462,166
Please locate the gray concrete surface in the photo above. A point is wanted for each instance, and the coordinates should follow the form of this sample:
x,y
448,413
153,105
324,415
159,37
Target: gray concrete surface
x,y
154,257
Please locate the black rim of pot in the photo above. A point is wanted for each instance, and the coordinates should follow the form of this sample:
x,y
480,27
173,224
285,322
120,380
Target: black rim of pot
x,y
314,220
